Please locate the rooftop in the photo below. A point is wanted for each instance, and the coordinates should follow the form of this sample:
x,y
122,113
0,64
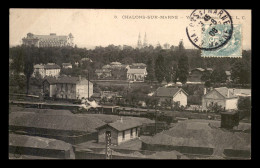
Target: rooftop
x,y
57,122
168,91
123,125
67,79
224,91
137,71
51,66
37,142
202,133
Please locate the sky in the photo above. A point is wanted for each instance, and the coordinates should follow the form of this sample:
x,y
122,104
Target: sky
x,y
102,27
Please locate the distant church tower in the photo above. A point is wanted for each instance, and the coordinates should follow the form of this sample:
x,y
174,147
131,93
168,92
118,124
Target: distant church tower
x,y
139,43
145,40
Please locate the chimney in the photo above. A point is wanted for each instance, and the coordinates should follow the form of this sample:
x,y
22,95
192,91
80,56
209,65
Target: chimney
x,y
121,119
79,77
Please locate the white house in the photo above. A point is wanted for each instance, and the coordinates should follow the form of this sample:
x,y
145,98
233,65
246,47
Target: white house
x,y
120,131
67,87
222,96
50,69
172,94
136,74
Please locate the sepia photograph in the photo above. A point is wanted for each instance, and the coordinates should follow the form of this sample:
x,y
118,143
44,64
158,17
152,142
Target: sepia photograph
x,y
126,84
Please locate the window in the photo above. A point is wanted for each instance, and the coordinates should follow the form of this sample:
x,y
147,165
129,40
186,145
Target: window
x,y
123,135
131,132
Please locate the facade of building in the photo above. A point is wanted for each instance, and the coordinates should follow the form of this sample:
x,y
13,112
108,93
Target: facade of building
x,y
67,87
172,94
120,131
51,40
50,69
136,74
66,65
222,96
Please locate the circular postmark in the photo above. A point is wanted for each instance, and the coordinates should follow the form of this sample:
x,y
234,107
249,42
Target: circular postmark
x,y
209,29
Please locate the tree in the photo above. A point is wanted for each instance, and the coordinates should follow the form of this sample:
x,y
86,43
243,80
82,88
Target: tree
x,y
240,72
218,76
205,76
244,105
28,70
150,70
183,69
160,68
214,107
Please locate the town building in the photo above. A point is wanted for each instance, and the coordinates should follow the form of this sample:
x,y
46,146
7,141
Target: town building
x,y
172,94
222,96
120,131
51,40
68,87
34,147
103,73
196,74
66,65
49,87
138,66
136,74
50,69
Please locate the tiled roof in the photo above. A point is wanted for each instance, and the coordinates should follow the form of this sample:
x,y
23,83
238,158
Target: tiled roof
x,y
51,38
40,66
137,71
224,91
139,64
201,133
82,123
168,91
123,125
240,91
67,79
51,80
37,142
102,70
51,66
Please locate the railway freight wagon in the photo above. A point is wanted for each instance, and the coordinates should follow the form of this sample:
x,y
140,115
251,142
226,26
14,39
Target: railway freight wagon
x,y
109,110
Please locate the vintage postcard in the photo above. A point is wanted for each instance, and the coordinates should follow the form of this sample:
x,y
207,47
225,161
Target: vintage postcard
x,y
130,84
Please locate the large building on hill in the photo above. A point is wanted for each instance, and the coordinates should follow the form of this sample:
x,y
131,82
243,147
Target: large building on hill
x,y
51,40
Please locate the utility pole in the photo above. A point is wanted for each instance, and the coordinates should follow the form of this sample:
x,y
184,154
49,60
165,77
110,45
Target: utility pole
x,y
108,143
88,85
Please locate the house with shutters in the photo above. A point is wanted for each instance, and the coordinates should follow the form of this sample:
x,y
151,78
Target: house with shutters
x,y
50,69
222,96
66,87
136,74
121,131
172,94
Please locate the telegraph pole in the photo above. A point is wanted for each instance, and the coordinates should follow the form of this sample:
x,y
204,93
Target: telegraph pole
x,y
108,143
88,85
